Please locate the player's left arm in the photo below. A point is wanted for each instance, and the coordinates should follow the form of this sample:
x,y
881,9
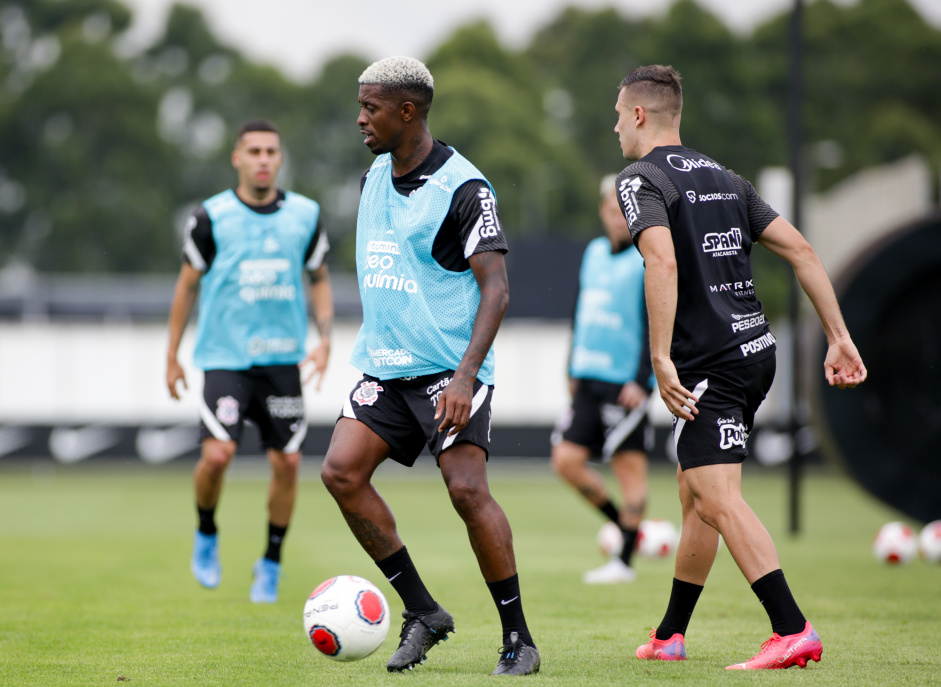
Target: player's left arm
x,y
637,390
454,404
661,289
480,240
321,301
843,365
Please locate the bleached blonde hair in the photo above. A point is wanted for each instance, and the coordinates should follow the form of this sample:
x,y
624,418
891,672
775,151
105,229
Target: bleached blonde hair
x,y
398,73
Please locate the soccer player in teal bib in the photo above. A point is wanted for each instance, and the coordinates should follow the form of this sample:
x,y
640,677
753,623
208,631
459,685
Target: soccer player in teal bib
x,y
245,254
610,378
432,277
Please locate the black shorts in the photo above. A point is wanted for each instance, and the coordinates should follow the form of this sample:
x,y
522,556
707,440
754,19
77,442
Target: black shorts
x,y
597,421
269,396
728,400
402,412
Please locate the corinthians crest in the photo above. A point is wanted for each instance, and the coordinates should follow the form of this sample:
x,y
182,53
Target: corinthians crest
x,y
227,410
367,393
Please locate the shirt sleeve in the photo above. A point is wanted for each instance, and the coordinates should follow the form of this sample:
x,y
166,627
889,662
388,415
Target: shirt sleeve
x,y
199,246
760,214
642,203
471,226
317,251
474,212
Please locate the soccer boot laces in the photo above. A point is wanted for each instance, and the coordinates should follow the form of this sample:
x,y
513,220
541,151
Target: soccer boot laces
x,y
419,633
517,658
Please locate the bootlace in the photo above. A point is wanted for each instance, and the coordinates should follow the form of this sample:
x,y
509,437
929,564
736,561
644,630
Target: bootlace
x,y
409,625
510,652
766,644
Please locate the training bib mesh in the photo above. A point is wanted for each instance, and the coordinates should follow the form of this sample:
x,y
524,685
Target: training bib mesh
x,y
417,316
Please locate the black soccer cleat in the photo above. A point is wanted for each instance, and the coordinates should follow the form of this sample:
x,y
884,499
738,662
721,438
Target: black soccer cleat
x,y
420,633
517,658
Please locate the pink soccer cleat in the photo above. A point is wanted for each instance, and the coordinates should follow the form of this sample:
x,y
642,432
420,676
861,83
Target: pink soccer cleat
x,y
672,649
784,652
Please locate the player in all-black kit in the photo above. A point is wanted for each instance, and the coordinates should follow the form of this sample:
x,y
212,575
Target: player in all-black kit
x,y
432,277
610,380
245,253
695,222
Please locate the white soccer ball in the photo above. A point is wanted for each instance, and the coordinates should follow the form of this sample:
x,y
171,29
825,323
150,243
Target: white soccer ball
x,y
929,542
346,618
895,543
610,539
657,538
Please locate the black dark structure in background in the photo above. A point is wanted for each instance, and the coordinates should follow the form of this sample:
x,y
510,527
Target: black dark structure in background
x,y
887,432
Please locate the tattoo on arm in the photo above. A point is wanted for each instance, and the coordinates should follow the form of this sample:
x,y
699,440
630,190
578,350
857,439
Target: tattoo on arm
x,y
325,327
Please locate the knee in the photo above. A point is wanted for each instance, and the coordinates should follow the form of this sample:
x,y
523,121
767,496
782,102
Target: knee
x,y
216,455
286,466
338,480
563,461
711,511
467,496
630,465
557,461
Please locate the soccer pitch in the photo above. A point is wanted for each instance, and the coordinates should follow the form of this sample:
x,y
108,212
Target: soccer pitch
x,y
95,586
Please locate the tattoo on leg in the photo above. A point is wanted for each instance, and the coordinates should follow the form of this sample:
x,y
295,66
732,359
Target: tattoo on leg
x,y
370,536
590,493
635,508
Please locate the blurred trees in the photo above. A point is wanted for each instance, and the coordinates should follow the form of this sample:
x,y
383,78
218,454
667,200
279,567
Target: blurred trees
x,y
83,182
102,155
489,105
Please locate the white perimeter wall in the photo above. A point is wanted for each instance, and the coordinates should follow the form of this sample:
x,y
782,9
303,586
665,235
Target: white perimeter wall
x,y
53,373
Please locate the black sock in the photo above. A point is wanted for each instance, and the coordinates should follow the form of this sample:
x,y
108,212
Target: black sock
x,y
275,538
683,600
610,511
774,594
403,577
630,540
506,596
207,520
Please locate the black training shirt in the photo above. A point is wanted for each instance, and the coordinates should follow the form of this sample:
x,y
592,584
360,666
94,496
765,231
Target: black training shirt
x,y
714,216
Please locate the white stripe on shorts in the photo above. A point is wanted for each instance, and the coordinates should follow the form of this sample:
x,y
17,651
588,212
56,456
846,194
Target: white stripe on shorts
x,y
212,422
294,445
622,430
348,409
680,422
478,401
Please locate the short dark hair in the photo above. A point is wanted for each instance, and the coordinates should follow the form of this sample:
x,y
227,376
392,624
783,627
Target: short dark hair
x,y
420,96
256,125
659,83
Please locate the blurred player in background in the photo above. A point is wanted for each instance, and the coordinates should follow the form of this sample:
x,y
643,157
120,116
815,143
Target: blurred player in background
x,y
695,223
610,380
245,254
432,277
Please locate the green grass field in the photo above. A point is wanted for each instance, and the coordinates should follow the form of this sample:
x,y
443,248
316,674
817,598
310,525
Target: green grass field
x,y
95,586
